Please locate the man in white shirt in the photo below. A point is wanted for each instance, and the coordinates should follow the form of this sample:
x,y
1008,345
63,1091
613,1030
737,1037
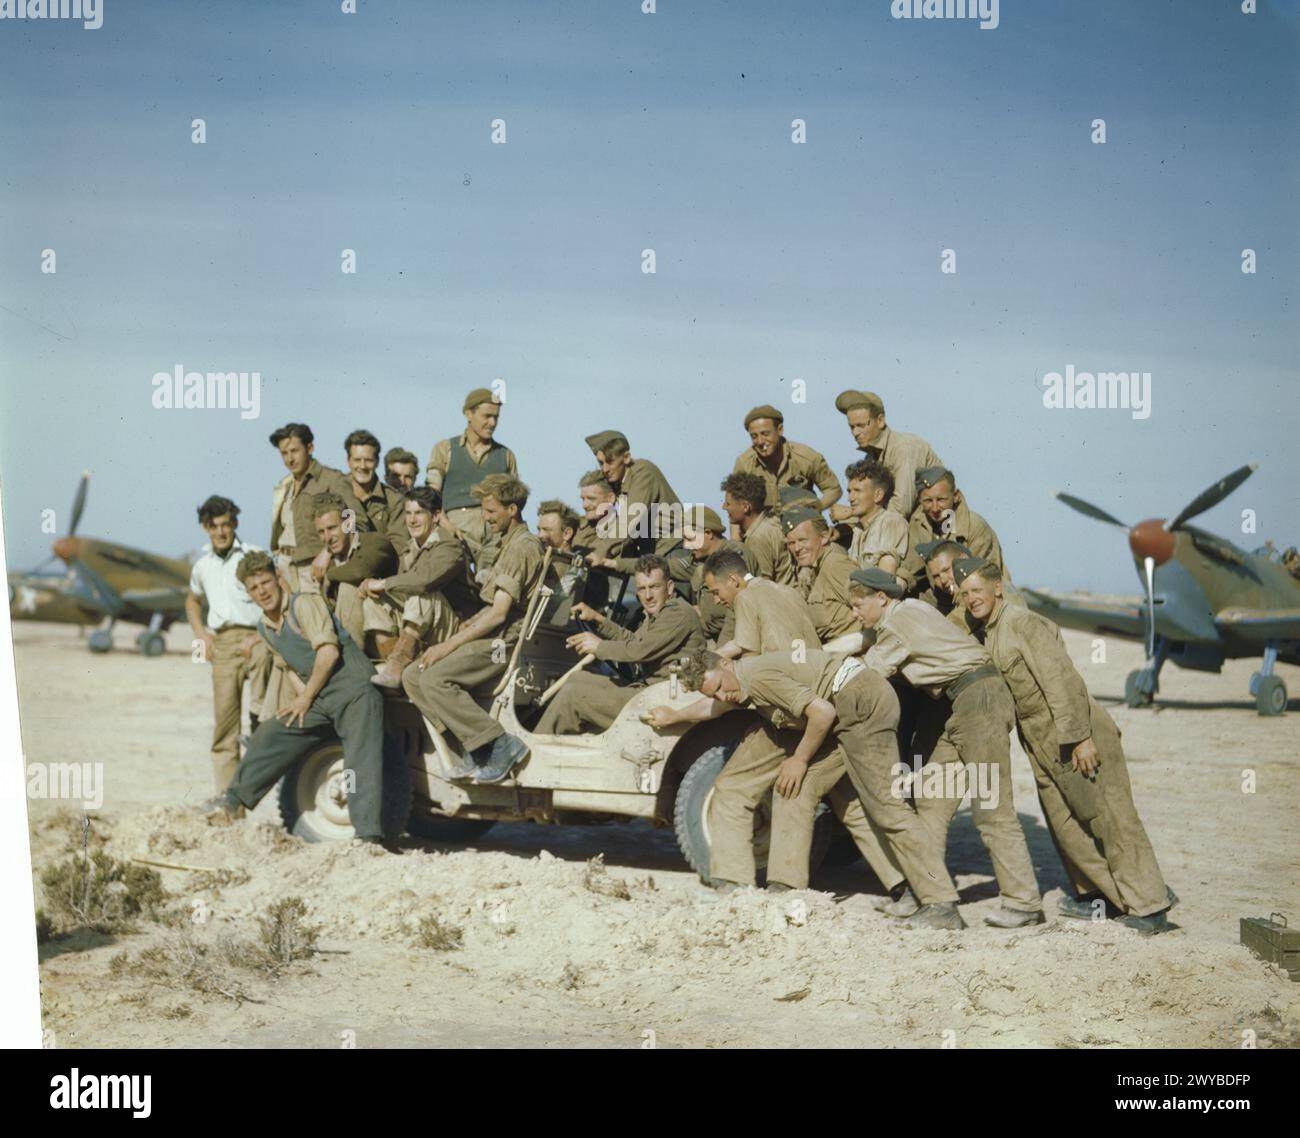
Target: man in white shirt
x,y
229,638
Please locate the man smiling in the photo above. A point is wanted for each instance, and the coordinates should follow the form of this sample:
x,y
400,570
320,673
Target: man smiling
x,y
780,462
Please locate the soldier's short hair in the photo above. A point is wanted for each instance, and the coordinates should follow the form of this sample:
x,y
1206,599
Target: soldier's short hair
x,y
748,488
696,666
877,473
651,563
724,563
254,562
399,454
327,503
597,479
953,548
216,507
293,431
361,438
426,497
568,516
505,488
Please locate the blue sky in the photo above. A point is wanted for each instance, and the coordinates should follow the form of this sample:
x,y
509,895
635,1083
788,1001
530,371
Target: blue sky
x,y
668,131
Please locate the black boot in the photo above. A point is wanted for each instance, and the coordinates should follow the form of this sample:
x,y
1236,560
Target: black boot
x,y
505,753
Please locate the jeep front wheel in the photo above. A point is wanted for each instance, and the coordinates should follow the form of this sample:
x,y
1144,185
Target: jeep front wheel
x,y
691,817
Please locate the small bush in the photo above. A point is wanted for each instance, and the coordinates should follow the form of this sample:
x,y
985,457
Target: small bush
x,y
439,935
95,891
286,935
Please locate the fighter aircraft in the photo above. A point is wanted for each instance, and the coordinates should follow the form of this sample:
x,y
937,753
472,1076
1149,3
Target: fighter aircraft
x,y
102,584
1206,601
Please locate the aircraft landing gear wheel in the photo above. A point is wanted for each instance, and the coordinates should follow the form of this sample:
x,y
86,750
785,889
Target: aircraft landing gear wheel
x,y
100,641
151,643
1270,695
1137,689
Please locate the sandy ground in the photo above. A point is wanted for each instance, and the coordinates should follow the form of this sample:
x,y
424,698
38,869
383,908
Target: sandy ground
x,y
556,952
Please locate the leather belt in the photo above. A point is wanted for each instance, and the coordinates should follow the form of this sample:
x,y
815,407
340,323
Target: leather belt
x,y
983,672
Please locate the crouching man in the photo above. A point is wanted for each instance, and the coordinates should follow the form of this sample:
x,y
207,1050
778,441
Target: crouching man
x,y
815,708
424,601
671,630
444,681
325,690
1074,749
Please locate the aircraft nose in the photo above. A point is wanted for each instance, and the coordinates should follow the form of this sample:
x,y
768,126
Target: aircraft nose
x,y
68,548
1151,539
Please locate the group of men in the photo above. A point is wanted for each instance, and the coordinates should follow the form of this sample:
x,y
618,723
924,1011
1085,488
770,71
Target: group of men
x,y
857,630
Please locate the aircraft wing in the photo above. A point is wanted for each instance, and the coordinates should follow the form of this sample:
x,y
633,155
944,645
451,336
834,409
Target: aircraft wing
x,y
164,600
1263,624
1120,617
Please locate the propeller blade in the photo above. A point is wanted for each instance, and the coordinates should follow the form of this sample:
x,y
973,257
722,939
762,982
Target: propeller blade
x,y
1213,496
79,503
1149,565
1089,509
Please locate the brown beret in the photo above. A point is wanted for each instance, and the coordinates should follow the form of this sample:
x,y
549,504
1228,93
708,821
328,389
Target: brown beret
x,y
601,439
766,411
846,401
479,395
702,517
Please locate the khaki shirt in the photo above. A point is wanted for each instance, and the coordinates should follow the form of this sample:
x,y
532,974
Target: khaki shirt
x,y
439,463
767,550
927,648
886,533
516,571
298,500
780,689
312,616
588,540
642,490
1053,708
965,526
439,564
800,466
902,455
718,620
385,511
828,598
659,640
773,618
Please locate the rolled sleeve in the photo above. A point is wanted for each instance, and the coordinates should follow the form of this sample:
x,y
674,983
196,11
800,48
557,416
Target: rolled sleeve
x,y
314,620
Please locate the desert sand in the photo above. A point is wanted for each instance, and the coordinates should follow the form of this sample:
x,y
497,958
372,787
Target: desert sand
x,y
557,950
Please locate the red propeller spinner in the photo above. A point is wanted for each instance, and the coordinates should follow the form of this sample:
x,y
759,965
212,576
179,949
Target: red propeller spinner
x,y
68,548
1151,539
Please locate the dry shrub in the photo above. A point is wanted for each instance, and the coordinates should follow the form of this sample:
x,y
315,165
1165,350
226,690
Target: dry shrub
x,y
596,878
285,933
441,936
95,891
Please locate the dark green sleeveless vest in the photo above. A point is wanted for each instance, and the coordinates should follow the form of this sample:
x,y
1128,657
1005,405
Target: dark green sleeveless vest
x,y
463,474
298,653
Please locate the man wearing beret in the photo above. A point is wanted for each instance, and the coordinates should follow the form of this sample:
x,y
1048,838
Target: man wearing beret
x,y
902,454
879,535
780,462
744,498
813,548
814,707
942,514
459,463
1074,748
648,513
706,535
973,716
